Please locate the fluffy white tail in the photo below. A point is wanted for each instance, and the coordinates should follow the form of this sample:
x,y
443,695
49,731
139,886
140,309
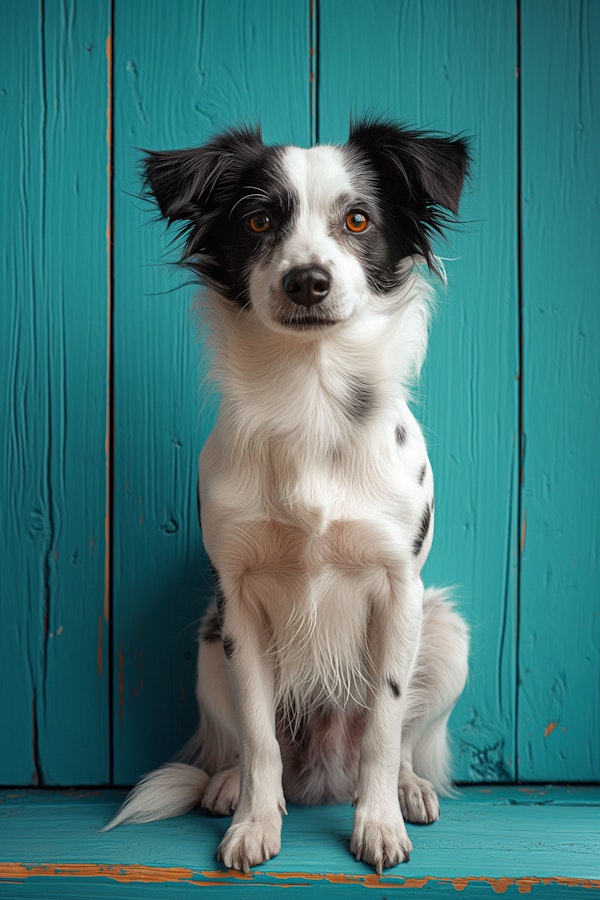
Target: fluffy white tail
x,y
170,791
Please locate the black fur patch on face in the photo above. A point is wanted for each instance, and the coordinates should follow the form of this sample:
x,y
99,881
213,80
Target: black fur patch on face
x,y
228,647
423,531
417,180
213,190
400,435
210,630
361,401
422,473
394,687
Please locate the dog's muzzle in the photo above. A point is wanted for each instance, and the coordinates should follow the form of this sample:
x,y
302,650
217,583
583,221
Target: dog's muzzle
x,y
307,285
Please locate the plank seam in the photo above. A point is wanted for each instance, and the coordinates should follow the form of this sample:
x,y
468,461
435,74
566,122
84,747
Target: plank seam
x,y
521,447
110,386
314,51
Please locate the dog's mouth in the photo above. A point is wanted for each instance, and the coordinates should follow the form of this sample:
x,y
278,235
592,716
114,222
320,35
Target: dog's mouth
x,y
307,323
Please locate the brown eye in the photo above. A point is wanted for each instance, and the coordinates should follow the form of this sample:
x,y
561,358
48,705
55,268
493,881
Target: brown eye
x,y
356,222
259,223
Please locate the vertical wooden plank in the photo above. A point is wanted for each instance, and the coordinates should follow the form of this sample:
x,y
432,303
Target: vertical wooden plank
x,y
451,67
55,73
559,663
23,535
182,71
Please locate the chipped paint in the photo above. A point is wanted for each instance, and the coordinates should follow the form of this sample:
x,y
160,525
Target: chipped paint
x,y
550,728
137,873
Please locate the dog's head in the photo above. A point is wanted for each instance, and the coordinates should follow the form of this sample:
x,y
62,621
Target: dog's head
x,y
309,238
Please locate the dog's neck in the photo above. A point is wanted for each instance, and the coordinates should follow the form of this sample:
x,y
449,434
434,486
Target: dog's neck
x,y
315,395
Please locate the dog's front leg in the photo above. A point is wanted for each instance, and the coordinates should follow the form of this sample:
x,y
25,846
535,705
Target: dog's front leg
x,y
255,831
379,836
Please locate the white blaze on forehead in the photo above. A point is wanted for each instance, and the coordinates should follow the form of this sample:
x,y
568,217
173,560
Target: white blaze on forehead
x,y
318,175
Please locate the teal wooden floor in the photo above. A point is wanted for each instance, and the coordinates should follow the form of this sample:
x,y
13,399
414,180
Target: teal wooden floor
x,y
511,841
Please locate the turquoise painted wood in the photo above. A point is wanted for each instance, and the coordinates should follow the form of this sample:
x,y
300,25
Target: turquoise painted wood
x,y
430,56
251,64
506,841
559,708
54,206
99,528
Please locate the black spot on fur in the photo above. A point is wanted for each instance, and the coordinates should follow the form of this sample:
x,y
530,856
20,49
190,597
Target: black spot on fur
x,y
423,531
228,647
422,473
210,630
219,595
400,435
220,598
394,687
360,401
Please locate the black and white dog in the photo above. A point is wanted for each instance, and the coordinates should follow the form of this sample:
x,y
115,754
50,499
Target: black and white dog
x,y
325,671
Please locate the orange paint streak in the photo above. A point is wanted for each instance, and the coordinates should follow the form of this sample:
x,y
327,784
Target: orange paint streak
x,y
178,874
99,646
550,728
124,874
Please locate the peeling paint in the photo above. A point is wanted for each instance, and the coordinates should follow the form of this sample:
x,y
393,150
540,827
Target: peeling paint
x,y
550,728
523,531
127,874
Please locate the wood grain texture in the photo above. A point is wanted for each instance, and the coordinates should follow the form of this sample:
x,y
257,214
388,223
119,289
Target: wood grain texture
x,y
182,71
190,70
491,841
53,639
451,67
559,662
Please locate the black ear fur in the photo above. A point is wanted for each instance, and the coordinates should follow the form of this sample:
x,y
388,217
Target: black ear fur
x,y
433,168
185,182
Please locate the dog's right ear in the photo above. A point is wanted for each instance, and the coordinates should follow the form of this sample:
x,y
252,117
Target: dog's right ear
x,y
185,183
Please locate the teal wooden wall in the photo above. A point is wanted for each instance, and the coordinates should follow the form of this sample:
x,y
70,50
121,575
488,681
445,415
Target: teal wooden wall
x,y
102,573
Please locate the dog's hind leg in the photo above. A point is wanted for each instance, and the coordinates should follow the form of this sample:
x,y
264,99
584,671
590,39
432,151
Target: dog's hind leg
x,y
437,682
215,745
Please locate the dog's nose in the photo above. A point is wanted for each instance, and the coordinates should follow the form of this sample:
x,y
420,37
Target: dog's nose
x,y
307,285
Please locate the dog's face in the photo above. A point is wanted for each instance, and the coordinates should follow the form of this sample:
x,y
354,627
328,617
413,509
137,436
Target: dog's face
x,y
308,239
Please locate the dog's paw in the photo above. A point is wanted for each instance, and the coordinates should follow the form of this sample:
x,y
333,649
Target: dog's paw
x,y
418,800
222,792
249,844
382,844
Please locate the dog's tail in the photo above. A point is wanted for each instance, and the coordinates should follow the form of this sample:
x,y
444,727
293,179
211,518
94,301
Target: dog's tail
x,y
172,790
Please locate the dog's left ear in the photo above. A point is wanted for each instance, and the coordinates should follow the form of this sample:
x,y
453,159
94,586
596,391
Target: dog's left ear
x,y
432,169
189,183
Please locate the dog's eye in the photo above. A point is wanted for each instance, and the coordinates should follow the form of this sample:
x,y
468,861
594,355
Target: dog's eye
x,y
259,223
356,222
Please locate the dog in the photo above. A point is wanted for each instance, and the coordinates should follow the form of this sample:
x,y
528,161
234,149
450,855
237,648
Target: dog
x,y
325,671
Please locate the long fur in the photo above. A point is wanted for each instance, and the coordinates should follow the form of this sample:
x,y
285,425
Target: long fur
x,y
325,671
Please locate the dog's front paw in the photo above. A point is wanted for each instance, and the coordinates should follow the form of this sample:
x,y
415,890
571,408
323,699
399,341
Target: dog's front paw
x,y
418,800
382,844
249,844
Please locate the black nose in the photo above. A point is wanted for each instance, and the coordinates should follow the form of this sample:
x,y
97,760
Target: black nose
x,y
307,285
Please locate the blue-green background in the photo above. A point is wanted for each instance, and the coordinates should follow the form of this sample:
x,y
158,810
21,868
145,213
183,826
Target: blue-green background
x,y
102,575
